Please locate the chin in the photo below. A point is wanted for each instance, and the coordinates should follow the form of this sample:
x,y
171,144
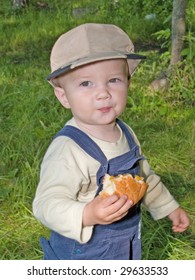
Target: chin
x,y
107,119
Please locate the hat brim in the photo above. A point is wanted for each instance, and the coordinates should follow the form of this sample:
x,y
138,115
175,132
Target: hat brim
x,y
132,58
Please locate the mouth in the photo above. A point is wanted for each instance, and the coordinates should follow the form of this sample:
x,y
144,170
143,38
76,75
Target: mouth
x,y
105,109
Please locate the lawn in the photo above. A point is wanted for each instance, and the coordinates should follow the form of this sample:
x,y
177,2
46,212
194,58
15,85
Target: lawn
x,y
30,115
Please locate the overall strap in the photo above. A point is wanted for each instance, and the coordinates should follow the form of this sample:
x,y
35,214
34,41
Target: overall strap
x,y
114,166
89,145
127,133
85,142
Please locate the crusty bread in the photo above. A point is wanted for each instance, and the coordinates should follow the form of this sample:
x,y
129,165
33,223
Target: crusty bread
x,y
125,184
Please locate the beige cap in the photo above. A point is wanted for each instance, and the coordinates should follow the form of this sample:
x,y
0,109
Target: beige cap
x,y
91,42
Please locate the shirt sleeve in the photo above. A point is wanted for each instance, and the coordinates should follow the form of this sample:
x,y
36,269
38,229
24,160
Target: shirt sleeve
x,y
56,202
157,200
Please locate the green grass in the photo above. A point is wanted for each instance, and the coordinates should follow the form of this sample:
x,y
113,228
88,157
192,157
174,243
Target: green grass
x,y
30,115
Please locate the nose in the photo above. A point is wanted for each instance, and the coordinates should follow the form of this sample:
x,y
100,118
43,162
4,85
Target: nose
x,y
103,92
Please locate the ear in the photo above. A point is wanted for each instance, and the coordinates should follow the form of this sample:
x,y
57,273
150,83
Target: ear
x,y
61,96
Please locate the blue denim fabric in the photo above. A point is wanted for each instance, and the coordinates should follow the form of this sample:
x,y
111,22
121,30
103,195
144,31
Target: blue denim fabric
x,y
107,243
119,240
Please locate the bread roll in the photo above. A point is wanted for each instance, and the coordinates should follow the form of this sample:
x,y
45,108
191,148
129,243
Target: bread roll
x,y
125,184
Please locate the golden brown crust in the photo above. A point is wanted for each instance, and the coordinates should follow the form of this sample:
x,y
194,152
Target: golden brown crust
x,y
134,188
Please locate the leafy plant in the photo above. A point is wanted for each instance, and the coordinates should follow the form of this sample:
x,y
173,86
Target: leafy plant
x,y
189,51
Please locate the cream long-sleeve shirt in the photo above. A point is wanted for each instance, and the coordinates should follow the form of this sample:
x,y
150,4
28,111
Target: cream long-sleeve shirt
x,y
68,182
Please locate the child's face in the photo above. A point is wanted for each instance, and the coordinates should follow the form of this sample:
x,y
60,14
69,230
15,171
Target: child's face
x,y
95,93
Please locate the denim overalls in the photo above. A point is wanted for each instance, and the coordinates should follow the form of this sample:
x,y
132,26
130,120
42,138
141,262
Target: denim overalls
x,y
117,241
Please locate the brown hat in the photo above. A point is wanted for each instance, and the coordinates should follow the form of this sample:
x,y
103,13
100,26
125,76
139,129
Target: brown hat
x,y
88,43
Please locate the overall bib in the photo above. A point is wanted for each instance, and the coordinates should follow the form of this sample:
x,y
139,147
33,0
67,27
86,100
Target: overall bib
x,y
117,241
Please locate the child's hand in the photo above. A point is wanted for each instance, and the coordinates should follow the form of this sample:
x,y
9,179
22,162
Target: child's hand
x,y
105,210
180,220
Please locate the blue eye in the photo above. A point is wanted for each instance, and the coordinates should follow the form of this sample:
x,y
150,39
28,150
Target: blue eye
x,y
114,80
86,84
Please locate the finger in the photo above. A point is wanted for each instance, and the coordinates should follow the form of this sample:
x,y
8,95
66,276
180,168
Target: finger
x,y
118,204
182,225
117,218
108,201
120,210
179,228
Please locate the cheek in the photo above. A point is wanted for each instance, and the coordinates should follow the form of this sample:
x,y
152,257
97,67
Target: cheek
x,y
122,97
80,104
124,102
121,102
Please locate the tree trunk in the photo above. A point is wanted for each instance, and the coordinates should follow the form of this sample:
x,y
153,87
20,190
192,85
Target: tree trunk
x,y
177,39
178,30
